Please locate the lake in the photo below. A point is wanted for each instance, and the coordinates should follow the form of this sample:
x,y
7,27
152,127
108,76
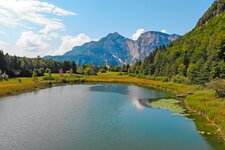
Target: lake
x,y
94,117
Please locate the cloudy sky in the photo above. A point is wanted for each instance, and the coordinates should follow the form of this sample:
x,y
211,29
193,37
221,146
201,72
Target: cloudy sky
x,y
51,27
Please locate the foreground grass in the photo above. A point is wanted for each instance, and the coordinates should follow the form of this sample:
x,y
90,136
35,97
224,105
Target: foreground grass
x,y
13,86
206,104
203,101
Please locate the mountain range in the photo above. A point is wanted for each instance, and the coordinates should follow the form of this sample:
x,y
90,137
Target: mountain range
x,y
116,50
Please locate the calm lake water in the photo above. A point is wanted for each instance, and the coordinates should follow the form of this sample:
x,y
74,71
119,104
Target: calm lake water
x,y
93,117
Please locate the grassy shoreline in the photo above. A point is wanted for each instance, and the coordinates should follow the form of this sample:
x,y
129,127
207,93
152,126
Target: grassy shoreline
x,y
203,102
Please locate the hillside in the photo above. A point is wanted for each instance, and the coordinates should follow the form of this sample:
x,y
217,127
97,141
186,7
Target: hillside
x,y
199,55
116,49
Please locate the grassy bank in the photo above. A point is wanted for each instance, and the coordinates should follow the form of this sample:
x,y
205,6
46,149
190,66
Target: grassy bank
x,y
203,101
167,86
13,86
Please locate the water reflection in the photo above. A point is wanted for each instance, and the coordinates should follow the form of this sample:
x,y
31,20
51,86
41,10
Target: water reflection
x,y
110,88
137,104
133,92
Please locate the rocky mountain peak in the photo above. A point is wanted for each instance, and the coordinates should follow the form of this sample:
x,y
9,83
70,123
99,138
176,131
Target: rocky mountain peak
x,y
117,49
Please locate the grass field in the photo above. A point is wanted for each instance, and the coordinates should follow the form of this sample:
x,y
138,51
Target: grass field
x,y
203,101
13,86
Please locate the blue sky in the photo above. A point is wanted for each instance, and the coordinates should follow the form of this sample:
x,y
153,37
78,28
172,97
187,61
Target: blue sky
x,y
42,27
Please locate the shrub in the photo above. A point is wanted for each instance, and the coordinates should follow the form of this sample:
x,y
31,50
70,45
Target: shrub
x,y
219,87
62,80
102,71
35,75
48,78
132,74
181,79
49,75
222,76
160,78
19,80
3,76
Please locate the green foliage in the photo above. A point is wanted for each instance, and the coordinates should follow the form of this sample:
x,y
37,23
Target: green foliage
x,y
48,71
23,67
68,66
115,69
125,68
219,87
80,70
102,71
217,8
161,78
182,70
120,74
89,70
35,76
49,75
3,76
181,79
193,72
198,56
172,105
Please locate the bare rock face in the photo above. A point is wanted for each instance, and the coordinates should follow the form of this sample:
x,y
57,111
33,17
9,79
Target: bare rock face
x,y
149,41
116,49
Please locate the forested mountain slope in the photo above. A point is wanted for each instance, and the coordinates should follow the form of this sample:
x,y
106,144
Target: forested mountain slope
x,y
199,55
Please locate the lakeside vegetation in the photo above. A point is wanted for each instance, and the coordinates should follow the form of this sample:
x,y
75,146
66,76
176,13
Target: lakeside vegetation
x,y
172,105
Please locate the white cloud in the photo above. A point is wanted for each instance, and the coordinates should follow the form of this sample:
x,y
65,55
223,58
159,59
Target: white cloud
x,y
14,12
137,34
165,31
6,18
68,42
31,42
53,35
41,19
52,26
26,6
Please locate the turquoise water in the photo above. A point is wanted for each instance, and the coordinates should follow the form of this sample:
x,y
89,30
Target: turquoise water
x,y
93,117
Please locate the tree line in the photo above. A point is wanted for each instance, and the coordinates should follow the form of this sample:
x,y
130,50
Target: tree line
x,y
14,66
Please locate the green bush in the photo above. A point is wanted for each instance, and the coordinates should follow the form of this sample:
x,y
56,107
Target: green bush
x,y
120,74
181,79
222,76
132,74
219,87
48,78
164,79
3,77
102,71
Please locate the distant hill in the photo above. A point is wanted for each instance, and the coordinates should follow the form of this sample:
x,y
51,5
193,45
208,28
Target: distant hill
x,y
116,49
